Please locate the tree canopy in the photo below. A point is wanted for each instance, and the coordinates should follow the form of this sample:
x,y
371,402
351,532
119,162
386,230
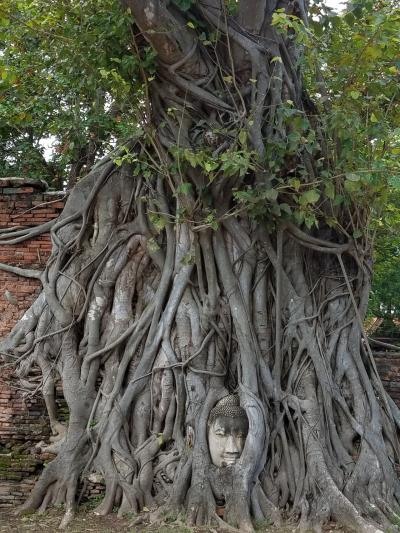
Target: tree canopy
x,y
68,79
71,76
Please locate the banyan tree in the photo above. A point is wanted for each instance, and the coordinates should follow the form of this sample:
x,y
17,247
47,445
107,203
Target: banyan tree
x,y
205,284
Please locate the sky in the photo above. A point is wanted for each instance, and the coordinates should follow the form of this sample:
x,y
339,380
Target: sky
x,y
335,4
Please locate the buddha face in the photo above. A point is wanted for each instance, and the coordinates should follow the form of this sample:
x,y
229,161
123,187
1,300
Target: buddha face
x,y
226,438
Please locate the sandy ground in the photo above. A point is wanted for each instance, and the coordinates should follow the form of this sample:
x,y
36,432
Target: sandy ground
x,y
86,521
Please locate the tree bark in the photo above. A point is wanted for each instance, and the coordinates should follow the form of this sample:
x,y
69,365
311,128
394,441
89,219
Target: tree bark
x,y
163,294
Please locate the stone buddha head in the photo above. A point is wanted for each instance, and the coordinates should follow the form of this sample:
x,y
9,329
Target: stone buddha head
x,y
227,430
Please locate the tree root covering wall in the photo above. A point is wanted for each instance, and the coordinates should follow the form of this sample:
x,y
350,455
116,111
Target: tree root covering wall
x,y
23,203
23,425
23,420
219,250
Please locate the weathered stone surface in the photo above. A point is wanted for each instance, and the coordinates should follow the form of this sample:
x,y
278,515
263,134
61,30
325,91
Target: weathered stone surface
x,y
13,183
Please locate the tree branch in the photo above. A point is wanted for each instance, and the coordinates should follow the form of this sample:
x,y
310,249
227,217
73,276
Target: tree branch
x,y
251,15
166,31
26,272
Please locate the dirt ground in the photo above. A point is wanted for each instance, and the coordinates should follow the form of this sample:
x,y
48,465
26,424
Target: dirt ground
x,y
86,521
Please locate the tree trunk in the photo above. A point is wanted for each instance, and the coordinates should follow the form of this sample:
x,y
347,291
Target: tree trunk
x,y
166,291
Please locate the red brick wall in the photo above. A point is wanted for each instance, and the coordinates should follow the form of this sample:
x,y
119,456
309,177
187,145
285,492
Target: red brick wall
x,y
23,423
23,418
23,205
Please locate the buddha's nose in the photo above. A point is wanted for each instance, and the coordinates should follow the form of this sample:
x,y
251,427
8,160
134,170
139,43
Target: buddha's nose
x,y
232,446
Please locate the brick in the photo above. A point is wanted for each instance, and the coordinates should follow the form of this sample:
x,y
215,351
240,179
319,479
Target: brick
x,y
23,422
16,190
18,195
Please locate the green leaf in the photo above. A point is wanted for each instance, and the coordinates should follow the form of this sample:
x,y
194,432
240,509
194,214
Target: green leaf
x,y
294,139
329,190
352,186
394,181
270,194
310,221
373,118
191,157
355,95
286,208
242,137
299,216
209,166
372,52
352,176
210,219
332,222
295,183
184,188
159,222
309,197
338,200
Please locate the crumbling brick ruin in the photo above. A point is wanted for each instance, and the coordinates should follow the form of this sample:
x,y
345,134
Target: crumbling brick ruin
x,y
23,420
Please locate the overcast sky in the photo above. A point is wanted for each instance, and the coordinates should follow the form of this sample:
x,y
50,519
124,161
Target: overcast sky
x,y
335,4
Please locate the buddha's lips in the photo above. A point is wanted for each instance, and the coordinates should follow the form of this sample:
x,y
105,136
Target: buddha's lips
x,y
230,460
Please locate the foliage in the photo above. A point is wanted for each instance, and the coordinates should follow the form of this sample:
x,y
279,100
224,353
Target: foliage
x,y
352,69
360,68
352,75
67,77
360,72
385,294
